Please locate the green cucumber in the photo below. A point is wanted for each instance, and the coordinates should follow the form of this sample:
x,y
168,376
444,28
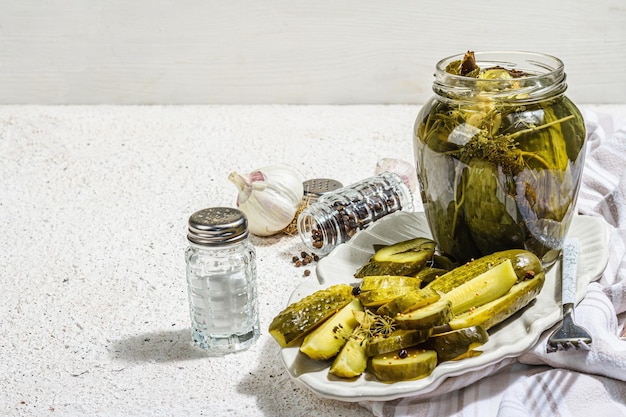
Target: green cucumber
x,y
398,339
408,364
351,360
327,340
410,301
301,317
524,263
495,312
430,316
457,344
402,258
486,287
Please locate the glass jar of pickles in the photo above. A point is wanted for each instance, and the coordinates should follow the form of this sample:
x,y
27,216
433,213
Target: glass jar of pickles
x,y
499,151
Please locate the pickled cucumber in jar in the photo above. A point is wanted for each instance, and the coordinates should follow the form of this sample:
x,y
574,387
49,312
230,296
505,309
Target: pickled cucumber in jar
x,y
499,151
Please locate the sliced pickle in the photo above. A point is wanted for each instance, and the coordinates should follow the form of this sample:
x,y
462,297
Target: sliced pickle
x,y
403,365
301,317
523,261
351,360
430,316
495,312
429,274
443,262
486,287
327,340
457,344
410,301
402,258
398,339
376,298
378,282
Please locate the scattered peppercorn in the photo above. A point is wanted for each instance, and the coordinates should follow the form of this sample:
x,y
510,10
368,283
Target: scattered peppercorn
x,y
305,259
403,354
307,272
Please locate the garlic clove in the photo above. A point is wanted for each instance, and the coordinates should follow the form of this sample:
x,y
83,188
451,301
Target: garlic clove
x,y
269,196
404,169
243,185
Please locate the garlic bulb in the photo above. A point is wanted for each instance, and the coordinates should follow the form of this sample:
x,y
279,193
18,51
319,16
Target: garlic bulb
x,y
404,169
269,197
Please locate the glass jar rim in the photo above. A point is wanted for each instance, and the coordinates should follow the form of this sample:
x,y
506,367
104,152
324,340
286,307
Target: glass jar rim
x,y
508,60
544,76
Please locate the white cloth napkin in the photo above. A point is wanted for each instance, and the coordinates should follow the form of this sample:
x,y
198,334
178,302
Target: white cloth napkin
x,y
573,383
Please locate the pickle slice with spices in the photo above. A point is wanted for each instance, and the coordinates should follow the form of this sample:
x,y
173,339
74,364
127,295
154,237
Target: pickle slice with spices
x,y
398,339
327,340
486,287
404,365
301,317
495,312
457,344
409,301
376,298
352,358
379,282
428,317
403,258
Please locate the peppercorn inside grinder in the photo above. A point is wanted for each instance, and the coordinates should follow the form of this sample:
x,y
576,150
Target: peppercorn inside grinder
x,y
338,215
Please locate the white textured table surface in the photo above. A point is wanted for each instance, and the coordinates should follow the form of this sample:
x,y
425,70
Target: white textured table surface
x,y
93,209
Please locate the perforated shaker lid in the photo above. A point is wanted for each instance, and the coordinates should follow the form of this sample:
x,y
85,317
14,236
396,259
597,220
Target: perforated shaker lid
x,y
317,187
217,226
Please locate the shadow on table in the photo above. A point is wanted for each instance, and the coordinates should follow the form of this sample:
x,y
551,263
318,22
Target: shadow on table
x,y
162,346
277,395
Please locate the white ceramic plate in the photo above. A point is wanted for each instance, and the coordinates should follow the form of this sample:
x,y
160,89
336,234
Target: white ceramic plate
x,y
510,339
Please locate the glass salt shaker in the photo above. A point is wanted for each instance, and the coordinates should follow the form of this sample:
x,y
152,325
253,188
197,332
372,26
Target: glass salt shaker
x,y
221,281
336,216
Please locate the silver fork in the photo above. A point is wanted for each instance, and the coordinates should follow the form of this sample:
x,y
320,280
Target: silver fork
x,y
569,334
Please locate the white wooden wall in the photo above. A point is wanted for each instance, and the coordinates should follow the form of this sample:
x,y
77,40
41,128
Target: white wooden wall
x,y
289,51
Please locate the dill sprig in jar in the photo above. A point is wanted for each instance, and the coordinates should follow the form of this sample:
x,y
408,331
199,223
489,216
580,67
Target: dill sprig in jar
x,y
499,151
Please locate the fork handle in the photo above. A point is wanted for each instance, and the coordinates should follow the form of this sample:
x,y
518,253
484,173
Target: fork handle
x,y
568,272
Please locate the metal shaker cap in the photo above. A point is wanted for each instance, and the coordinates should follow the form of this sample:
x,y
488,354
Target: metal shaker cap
x,y
317,187
217,226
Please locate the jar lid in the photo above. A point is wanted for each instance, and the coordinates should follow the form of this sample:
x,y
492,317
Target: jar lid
x,y
217,226
317,187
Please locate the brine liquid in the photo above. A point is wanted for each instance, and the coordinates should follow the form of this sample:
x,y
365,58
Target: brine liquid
x,y
476,205
223,303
